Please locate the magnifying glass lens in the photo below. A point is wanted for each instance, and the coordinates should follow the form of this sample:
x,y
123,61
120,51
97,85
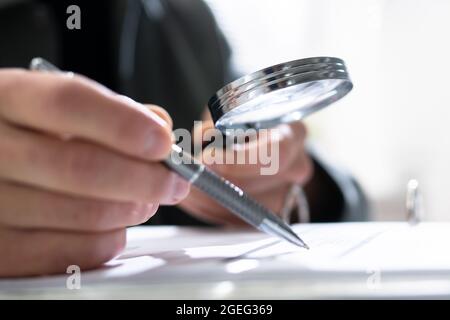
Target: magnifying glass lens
x,y
279,94
283,105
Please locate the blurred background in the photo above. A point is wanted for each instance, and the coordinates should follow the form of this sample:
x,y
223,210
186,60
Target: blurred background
x,y
393,126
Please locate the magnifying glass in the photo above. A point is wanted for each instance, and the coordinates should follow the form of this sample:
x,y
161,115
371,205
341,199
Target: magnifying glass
x,y
279,94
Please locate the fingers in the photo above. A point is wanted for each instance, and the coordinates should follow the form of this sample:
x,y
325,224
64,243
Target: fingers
x,y
210,211
77,107
300,170
206,209
29,208
266,162
75,171
162,113
293,166
84,169
279,145
240,160
47,252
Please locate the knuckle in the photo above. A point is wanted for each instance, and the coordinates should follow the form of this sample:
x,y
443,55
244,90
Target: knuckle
x,y
144,182
93,216
9,152
81,165
61,94
10,78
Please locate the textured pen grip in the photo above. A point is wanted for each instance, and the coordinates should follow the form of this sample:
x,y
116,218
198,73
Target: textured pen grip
x,y
220,189
232,198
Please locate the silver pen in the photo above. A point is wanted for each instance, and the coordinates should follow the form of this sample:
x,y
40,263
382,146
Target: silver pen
x,y
218,188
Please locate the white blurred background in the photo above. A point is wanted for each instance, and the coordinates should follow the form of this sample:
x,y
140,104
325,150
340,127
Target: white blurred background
x,y
394,125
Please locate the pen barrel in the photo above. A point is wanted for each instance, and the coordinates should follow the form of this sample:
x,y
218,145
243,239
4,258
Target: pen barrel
x,y
220,189
232,198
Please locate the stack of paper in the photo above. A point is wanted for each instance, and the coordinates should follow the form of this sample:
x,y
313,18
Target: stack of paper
x,y
345,259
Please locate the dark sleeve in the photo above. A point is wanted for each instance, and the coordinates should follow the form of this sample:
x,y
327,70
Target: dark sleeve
x,y
27,30
173,54
333,193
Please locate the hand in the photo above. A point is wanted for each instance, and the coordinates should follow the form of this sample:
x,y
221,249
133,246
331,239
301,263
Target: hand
x,y
295,166
78,164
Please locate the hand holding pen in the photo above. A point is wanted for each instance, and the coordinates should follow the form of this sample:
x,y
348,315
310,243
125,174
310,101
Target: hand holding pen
x,y
222,191
78,165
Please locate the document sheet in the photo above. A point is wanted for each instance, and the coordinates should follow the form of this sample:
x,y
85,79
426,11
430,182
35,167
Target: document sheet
x,y
165,255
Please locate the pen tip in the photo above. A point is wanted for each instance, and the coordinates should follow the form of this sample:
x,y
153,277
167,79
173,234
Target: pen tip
x,y
282,230
295,239
303,244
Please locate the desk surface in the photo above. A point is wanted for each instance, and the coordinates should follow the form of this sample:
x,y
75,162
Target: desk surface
x,y
346,260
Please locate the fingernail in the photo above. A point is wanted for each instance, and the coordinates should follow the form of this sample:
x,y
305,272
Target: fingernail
x,y
155,144
158,119
149,131
150,210
180,189
139,106
150,142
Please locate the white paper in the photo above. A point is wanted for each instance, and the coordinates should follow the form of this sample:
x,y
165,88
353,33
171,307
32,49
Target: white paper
x,y
164,255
